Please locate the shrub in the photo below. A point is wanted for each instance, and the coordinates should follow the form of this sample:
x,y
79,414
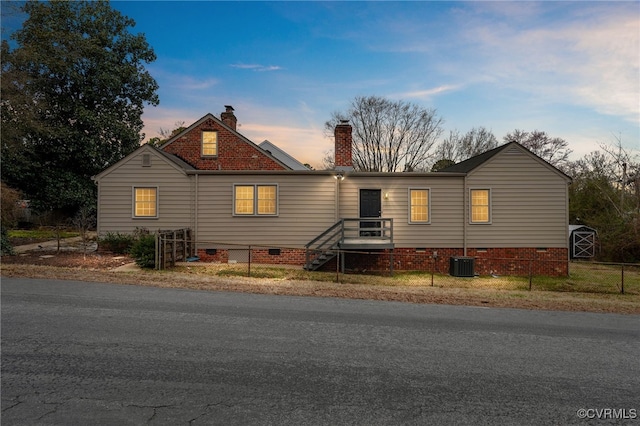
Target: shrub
x,y
6,247
144,251
117,243
9,210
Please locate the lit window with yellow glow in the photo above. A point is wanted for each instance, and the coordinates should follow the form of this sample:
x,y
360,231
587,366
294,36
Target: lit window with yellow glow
x,y
244,200
480,203
145,202
209,143
255,200
266,199
419,206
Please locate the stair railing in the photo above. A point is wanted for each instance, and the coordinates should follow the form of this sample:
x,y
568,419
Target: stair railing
x,y
325,241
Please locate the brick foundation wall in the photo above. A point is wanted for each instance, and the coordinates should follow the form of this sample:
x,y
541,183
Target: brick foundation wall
x,y
501,261
233,152
258,255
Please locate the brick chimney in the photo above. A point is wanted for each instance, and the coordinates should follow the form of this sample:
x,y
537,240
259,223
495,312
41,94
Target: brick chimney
x,y
344,144
228,118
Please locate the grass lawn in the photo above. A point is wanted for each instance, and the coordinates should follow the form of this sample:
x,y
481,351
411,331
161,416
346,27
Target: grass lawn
x,y
40,234
583,278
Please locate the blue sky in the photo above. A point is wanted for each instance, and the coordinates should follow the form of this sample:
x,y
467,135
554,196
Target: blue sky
x,y
569,68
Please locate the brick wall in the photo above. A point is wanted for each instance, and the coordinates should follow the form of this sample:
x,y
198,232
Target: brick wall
x,y
258,255
343,145
233,152
501,261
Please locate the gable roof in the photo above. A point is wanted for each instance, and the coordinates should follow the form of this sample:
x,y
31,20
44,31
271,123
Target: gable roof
x,y
467,166
173,160
283,156
210,116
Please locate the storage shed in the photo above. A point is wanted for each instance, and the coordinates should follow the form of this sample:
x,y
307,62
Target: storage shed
x,y
582,241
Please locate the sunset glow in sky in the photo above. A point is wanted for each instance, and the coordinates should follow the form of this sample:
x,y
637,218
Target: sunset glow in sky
x,y
569,68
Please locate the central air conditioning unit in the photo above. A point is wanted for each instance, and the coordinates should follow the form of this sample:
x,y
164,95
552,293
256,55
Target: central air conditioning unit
x,y
461,267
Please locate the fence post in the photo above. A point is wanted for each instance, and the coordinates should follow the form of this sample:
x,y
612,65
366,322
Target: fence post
x,y
184,244
249,263
622,281
530,273
157,247
174,251
433,268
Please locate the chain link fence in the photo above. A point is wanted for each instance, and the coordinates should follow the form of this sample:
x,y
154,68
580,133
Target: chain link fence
x,y
387,268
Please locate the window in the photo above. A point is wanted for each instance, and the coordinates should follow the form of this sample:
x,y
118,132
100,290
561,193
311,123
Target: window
x,y
418,206
480,206
267,199
255,200
145,202
209,143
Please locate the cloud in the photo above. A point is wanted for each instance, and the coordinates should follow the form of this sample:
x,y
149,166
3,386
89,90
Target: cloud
x,y
428,93
181,82
305,144
190,83
257,67
588,58
156,118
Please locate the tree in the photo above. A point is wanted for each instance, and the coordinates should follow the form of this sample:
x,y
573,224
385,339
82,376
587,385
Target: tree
x,y
555,151
604,197
73,91
457,147
389,136
442,164
166,134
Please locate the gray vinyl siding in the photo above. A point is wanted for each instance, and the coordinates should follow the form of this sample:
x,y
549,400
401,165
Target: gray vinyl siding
x,y
446,210
306,207
115,196
528,203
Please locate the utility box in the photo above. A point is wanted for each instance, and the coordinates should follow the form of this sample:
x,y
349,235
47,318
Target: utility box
x,y
461,267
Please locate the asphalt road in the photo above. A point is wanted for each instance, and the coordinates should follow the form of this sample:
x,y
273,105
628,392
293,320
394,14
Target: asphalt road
x,y
100,354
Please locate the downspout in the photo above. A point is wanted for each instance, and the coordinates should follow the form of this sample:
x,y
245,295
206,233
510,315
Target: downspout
x,y
98,209
195,221
464,216
567,235
337,202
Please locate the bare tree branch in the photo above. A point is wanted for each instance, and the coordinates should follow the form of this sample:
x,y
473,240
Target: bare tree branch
x,y
389,136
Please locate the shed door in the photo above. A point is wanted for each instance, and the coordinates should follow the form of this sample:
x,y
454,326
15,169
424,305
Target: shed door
x,y
370,206
584,244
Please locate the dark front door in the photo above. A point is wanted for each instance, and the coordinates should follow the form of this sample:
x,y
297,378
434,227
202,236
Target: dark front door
x,y
370,206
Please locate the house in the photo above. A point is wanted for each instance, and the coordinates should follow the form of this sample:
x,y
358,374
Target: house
x,y
504,205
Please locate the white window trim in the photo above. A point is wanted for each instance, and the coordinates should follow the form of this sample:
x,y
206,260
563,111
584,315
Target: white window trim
x,y
202,154
428,222
133,201
255,200
489,222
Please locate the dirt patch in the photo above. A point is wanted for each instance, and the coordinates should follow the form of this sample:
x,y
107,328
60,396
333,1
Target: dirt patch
x,y
99,267
68,259
20,241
